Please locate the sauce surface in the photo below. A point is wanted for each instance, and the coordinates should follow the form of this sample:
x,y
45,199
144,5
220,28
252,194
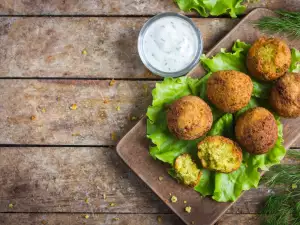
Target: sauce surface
x,y
170,44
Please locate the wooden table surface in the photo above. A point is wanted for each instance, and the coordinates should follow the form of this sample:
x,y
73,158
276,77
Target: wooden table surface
x,y
58,163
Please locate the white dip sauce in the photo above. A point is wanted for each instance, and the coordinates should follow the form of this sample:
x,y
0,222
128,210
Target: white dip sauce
x,y
170,44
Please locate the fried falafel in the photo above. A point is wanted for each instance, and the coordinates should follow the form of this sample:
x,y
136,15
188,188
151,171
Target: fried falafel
x,y
220,154
186,170
285,95
268,58
189,118
229,90
256,130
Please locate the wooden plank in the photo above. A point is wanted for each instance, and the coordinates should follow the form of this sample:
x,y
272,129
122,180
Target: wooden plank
x,y
239,219
94,219
104,113
63,179
116,7
53,47
106,219
56,179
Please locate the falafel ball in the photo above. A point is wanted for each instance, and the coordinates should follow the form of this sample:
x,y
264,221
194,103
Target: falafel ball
x,y
189,118
220,154
285,95
229,90
186,170
268,58
256,130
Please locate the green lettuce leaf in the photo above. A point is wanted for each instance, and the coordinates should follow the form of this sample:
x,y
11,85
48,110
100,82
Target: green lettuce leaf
x,y
222,187
213,7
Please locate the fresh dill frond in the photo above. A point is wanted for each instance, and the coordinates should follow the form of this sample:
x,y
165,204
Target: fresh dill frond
x,y
293,154
283,208
287,22
282,175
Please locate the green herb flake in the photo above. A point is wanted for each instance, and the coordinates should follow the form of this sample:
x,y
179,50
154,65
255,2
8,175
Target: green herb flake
x,y
173,199
188,209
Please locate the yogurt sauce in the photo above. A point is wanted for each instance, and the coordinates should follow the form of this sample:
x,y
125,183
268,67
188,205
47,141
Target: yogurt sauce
x,y
170,44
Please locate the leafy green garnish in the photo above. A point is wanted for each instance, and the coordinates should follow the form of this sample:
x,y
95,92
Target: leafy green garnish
x,y
166,147
213,7
295,65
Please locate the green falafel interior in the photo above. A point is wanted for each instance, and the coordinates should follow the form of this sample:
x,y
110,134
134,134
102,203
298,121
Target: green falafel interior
x,y
223,187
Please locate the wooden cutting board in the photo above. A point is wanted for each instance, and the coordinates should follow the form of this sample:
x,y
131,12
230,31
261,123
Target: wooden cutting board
x,y
134,147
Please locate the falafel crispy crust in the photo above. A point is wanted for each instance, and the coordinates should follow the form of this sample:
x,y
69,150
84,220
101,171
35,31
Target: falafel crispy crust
x,y
285,95
268,58
220,154
189,177
229,90
256,130
189,118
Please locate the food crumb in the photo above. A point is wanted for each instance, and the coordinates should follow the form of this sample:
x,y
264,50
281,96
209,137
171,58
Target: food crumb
x,y
73,107
170,194
76,134
184,201
188,209
43,110
44,222
118,108
86,216
116,219
104,196
112,204
33,118
112,82
160,178
10,205
105,101
159,219
84,52
294,186
193,222
145,87
86,200
133,118
113,136
173,199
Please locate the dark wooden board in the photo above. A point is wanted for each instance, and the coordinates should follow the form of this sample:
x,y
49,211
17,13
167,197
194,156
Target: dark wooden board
x,y
133,148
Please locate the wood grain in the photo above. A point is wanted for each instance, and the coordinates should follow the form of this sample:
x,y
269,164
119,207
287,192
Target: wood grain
x,y
53,47
94,219
62,179
116,7
104,113
96,121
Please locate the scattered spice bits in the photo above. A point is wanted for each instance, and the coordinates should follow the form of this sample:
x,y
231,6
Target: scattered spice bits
x,y
112,204
133,118
10,205
188,209
113,136
116,219
73,107
33,118
84,52
112,82
86,216
118,108
173,199
160,178
159,219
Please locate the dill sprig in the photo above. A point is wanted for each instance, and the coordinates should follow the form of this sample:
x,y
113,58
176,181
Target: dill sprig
x,y
283,208
287,22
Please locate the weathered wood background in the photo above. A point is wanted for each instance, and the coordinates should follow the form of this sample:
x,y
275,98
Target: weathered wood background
x,y
58,164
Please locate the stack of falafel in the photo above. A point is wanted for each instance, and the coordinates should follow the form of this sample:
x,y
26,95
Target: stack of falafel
x,y
256,131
